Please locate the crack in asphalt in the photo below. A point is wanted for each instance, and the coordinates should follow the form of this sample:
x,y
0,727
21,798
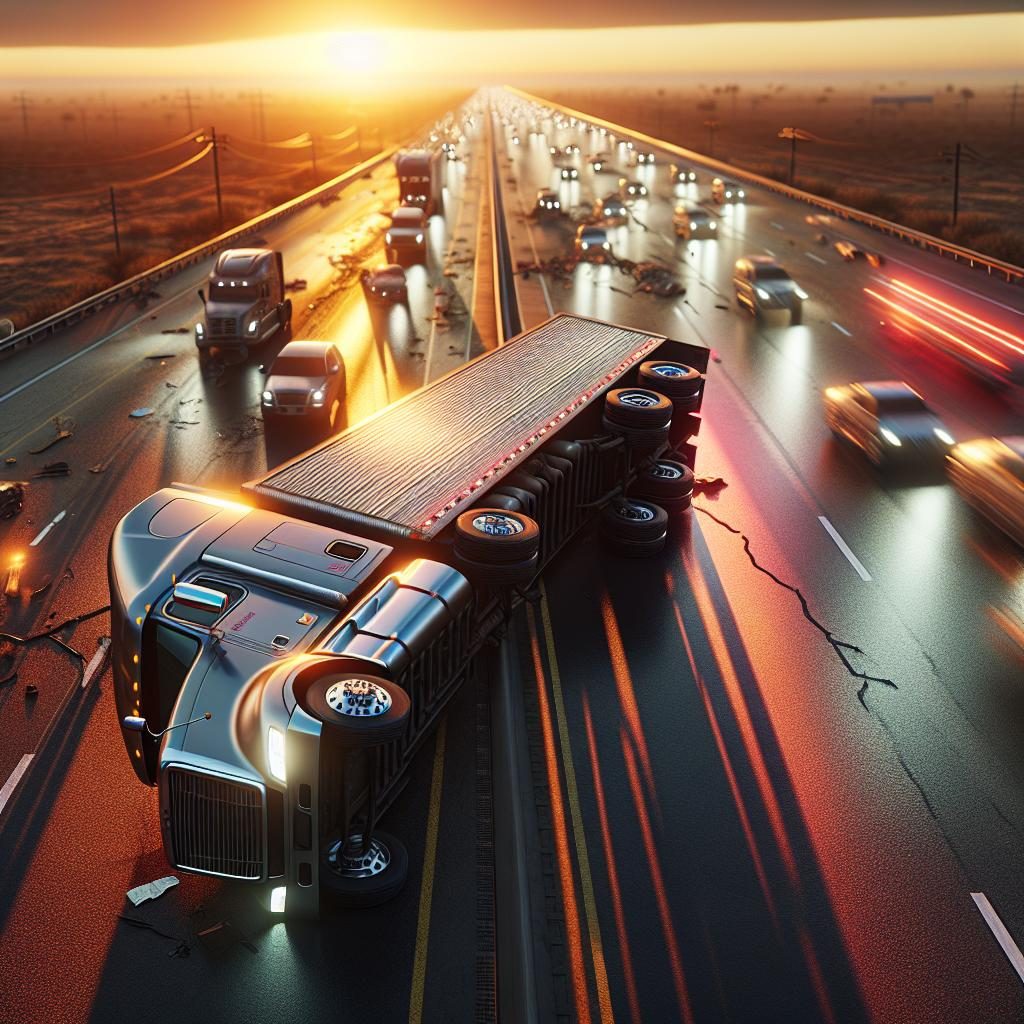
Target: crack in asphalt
x,y
839,646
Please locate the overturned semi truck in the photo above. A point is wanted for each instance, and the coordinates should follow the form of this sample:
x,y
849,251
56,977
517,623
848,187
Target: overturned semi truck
x,y
279,659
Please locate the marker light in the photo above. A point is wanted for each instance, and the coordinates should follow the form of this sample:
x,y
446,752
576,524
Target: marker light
x,y
890,437
943,436
275,754
268,398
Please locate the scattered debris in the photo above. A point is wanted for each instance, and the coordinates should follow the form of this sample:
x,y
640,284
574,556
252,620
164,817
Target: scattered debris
x,y
162,355
185,423
721,305
182,950
42,588
12,497
10,461
710,485
52,469
31,691
223,934
138,414
651,278
174,330
299,284
151,890
64,429
101,467
50,633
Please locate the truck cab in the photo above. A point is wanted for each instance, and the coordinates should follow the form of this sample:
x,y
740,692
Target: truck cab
x,y
419,180
244,303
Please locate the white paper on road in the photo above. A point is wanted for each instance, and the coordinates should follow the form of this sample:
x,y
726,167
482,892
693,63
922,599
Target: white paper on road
x,y
151,890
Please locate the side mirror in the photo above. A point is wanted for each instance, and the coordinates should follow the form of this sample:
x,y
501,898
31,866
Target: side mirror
x,y
202,296
203,599
134,723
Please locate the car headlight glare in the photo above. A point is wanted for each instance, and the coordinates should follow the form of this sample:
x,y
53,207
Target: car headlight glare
x,y
387,237
200,330
419,237
713,225
605,245
762,294
268,397
693,225
253,326
890,437
277,898
943,436
584,245
800,292
275,753
318,397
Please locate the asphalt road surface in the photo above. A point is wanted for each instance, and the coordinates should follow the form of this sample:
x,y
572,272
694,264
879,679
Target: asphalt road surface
x,y
733,827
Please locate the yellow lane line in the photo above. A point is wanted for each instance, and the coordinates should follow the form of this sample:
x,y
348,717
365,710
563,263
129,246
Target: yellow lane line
x,y
604,998
419,964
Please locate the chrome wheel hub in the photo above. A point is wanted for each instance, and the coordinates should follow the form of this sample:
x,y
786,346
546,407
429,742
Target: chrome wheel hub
x,y
358,698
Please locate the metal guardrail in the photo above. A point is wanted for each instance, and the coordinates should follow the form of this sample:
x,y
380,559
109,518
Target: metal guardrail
x,y
140,283
504,285
1010,271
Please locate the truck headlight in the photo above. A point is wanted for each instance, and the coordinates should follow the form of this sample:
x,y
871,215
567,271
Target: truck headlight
x,y
254,326
800,293
943,435
762,294
606,245
713,225
277,898
200,331
275,754
268,397
584,245
387,237
318,397
890,437
693,225
419,237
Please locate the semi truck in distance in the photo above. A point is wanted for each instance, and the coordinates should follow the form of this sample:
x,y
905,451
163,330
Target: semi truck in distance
x,y
419,180
279,659
245,303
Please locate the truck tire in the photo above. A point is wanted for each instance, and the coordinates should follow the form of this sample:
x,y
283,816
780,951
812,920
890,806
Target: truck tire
x,y
637,407
496,536
667,482
636,435
286,318
369,881
363,710
636,548
498,574
634,519
673,380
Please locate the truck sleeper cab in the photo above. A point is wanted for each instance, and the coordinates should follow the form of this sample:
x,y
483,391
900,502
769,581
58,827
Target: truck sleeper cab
x,y
419,180
326,619
246,303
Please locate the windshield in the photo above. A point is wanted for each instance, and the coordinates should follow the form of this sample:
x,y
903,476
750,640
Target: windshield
x,y
900,403
770,273
299,366
233,291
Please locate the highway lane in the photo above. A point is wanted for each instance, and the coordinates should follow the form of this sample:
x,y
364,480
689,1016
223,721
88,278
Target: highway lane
x,y
926,777
84,797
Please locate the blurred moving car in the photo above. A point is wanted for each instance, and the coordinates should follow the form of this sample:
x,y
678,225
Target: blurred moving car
x,y
723,191
599,161
850,252
548,204
989,475
762,285
406,239
681,175
306,385
888,421
611,209
693,222
629,189
384,284
645,156
592,243
571,149
448,148
567,173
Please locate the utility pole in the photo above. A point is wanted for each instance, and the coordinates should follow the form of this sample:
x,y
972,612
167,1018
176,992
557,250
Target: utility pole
x,y
712,127
793,134
216,178
23,101
113,217
188,108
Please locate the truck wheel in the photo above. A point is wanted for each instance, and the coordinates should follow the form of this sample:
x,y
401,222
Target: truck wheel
x,y
366,881
495,535
634,519
636,435
637,407
286,318
498,574
366,710
674,380
665,481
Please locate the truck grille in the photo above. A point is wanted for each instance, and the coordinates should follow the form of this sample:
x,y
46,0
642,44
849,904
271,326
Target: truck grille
x,y
292,397
216,825
223,327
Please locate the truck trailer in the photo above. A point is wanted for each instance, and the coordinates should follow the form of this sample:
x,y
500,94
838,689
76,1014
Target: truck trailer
x,y
279,658
419,180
